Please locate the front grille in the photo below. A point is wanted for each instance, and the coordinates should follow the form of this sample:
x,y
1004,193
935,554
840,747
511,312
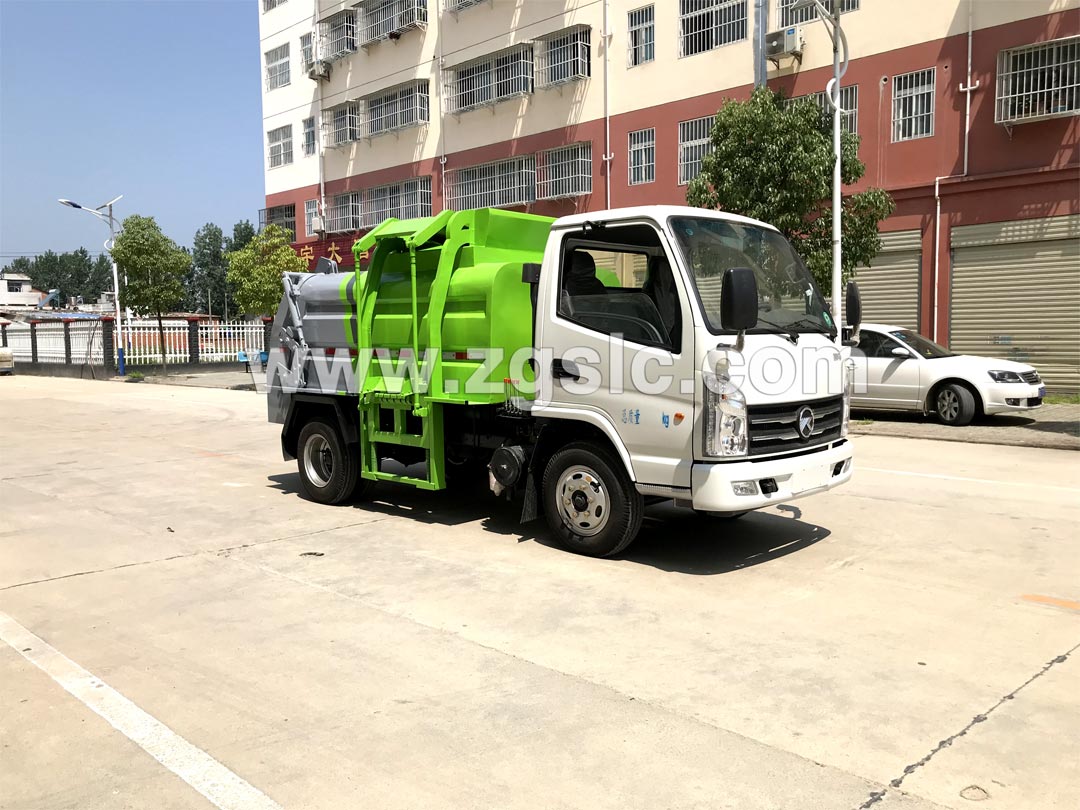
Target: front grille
x,y
1030,377
775,428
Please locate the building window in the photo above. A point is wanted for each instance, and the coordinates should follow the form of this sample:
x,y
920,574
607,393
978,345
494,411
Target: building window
x,y
458,5
913,105
271,4
694,144
311,210
346,213
565,171
708,24
307,51
309,137
337,35
280,143
342,124
381,18
284,216
564,56
401,107
849,106
1038,81
277,67
642,156
491,79
407,200
492,185
797,16
642,36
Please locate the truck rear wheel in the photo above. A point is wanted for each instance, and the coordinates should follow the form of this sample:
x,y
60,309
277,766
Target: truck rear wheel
x,y
590,502
329,471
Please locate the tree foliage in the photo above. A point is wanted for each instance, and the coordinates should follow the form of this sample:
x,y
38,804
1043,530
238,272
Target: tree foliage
x,y
242,233
255,270
75,274
205,284
153,267
773,160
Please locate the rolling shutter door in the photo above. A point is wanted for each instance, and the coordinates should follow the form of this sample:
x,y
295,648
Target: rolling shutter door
x,y
1016,295
890,286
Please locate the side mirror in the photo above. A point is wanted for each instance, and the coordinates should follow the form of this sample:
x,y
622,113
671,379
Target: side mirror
x,y
853,306
899,351
739,299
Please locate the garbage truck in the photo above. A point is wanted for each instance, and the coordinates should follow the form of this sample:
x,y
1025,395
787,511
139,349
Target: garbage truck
x,y
588,366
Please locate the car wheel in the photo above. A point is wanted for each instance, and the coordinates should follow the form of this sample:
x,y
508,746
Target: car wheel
x,y
591,504
954,405
329,471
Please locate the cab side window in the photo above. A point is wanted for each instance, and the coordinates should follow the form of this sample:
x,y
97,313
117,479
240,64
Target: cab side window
x,y
876,345
622,288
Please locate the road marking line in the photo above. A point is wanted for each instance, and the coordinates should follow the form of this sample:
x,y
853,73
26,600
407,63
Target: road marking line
x,y
1068,604
223,788
968,480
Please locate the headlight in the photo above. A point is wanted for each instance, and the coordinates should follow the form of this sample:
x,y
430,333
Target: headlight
x,y
1004,376
849,386
725,418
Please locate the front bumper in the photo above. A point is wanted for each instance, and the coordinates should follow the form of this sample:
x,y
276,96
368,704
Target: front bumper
x,y
1006,397
795,477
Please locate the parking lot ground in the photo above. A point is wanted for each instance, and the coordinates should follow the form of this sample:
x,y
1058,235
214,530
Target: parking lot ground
x,y
182,630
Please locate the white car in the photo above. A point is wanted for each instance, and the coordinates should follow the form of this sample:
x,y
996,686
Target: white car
x,y
898,369
7,360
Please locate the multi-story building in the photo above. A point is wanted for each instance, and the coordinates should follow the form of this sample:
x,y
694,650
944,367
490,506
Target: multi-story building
x,y
967,111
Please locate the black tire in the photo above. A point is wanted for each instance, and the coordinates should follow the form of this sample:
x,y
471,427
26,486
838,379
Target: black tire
x,y
954,405
589,477
329,471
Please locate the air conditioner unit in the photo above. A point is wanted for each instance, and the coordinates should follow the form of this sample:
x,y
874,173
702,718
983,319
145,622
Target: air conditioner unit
x,y
319,70
786,42
317,225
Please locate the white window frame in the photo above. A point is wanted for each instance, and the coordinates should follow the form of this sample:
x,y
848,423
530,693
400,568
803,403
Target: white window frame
x,y
396,108
914,100
641,156
499,184
1031,87
311,210
310,143
565,171
460,5
789,16
379,19
270,5
279,147
641,36
493,78
338,35
342,124
346,213
277,67
307,50
281,215
694,144
564,56
705,25
849,106
408,199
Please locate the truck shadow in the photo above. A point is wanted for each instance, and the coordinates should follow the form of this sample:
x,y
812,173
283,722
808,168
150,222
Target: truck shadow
x,y
671,539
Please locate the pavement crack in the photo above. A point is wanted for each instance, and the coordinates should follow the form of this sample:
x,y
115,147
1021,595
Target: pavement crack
x,y
879,795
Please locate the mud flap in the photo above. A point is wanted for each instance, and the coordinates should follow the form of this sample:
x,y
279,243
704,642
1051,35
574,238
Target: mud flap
x,y
529,509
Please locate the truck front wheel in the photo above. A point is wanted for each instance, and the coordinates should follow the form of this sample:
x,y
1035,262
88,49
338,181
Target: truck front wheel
x,y
329,471
590,502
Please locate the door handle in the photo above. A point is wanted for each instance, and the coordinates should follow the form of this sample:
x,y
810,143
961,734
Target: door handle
x,y
564,369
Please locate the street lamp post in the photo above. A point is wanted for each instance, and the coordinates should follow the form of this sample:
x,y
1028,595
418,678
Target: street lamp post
x,y
830,18
109,220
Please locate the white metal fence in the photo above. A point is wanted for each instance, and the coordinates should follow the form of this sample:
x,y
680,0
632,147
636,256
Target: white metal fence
x,y
224,342
141,342
18,339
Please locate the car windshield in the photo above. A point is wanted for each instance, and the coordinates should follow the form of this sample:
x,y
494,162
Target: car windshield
x,y
921,346
788,299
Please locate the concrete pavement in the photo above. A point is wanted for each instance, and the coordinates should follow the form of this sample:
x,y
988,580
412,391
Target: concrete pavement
x,y
437,654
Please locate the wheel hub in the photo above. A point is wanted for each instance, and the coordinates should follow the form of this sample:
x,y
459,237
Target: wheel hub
x,y
318,461
583,501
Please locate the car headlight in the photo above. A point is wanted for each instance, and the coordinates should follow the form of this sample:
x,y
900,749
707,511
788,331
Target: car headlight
x,y
725,418
1004,376
849,386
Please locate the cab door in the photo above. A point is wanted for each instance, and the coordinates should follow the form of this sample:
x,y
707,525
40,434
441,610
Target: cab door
x,y
619,338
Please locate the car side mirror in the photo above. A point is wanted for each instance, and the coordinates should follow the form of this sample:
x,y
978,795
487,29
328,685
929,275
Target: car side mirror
x,y
899,351
739,299
853,307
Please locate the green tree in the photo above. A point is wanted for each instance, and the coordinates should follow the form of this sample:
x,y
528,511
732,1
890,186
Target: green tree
x,y
100,278
242,233
773,160
255,270
207,286
154,267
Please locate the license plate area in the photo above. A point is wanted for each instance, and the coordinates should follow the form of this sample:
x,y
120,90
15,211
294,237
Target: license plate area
x,y
812,478
1042,391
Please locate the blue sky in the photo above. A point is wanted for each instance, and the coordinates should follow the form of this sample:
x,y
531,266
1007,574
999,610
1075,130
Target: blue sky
x,y
158,100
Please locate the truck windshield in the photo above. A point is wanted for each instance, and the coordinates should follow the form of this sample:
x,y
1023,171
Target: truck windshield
x,y
789,301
